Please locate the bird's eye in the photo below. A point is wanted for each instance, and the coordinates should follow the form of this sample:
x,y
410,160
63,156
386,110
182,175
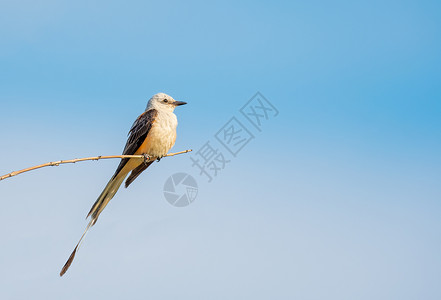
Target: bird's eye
x,y
165,100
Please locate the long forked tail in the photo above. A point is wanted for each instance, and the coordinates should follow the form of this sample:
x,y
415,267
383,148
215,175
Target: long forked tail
x,y
72,256
107,194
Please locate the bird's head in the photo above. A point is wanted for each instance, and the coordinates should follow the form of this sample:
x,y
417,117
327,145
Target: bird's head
x,y
163,101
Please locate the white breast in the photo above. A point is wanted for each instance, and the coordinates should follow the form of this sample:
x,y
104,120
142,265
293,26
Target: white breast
x,y
162,135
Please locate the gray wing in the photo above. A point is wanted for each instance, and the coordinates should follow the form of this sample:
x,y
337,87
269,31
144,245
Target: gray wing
x,y
137,135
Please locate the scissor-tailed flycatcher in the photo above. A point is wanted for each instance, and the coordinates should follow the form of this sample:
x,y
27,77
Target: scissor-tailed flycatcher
x,y
152,134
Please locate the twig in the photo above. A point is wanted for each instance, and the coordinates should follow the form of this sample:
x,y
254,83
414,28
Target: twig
x,y
57,163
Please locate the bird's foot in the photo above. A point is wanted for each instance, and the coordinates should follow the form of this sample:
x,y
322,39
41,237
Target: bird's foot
x,y
159,159
147,158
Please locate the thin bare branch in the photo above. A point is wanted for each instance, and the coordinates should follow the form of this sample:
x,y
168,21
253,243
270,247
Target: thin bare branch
x,y
72,161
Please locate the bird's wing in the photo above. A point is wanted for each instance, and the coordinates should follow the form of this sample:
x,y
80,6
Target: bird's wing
x,y
137,135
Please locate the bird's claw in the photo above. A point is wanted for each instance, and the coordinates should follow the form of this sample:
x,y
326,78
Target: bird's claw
x,y
147,158
158,159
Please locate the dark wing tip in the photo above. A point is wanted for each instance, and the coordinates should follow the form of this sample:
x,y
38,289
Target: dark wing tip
x,y
68,262
136,172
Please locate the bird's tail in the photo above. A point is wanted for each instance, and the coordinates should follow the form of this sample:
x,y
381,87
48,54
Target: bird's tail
x,y
72,256
107,194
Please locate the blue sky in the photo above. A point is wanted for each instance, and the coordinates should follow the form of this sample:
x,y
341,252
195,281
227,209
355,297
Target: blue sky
x,y
337,197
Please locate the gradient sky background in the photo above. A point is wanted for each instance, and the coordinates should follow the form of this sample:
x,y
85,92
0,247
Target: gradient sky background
x,y
337,198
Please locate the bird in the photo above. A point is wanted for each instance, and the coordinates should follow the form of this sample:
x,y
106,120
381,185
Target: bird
x,y
152,135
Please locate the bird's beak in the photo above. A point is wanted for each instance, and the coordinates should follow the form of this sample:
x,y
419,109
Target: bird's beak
x,y
178,103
